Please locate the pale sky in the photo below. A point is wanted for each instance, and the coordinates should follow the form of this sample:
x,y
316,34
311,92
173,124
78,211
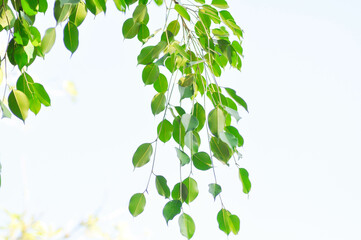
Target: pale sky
x,y
301,79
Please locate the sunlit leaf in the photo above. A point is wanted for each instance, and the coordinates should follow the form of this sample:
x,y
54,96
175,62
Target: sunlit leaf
x,y
180,192
165,130
220,4
78,14
62,12
139,13
158,2
29,7
216,121
243,175
192,187
161,84
182,11
19,104
48,40
137,204
130,28
178,131
158,103
172,209
5,111
41,94
142,155
186,225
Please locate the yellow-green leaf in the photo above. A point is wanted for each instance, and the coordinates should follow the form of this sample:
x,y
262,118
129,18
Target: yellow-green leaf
x,y
182,11
19,104
142,155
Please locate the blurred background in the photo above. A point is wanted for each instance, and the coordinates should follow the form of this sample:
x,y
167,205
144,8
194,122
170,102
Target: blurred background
x,y
301,79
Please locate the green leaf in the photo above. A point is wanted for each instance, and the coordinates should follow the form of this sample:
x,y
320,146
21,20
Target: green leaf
x,y
5,110
182,11
121,5
212,13
162,187
19,104
174,27
186,225
158,103
178,131
232,130
183,157
161,84
165,130
220,4
180,192
25,84
78,14
130,28
149,54
200,114
192,140
214,189
228,138
142,155
189,122
7,18
237,47
137,204
179,110
158,2
41,94
223,221
172,209
48,40
186,92
29,7
200,1
202,161
150,74
237,98
243,175
216,121
139,13
35,105
220,150
192,188
71,37
62,12
187,80
234,224
96,6
143,33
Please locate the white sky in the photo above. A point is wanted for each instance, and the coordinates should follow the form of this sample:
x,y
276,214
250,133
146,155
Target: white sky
x,y
301,79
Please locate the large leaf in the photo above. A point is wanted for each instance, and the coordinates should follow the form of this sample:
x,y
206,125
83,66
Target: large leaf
x,y
29,7
164,130
186,225
143,33
216,121
173,27
139,13
237,98
150,74
182,11
214,189
192,188
137,204
192,140
48,40
172,209
130,28
202,161
243,175
71,37
221,150
162,187
158,103
161,84
19,104
227,222
142,155
180,192
61,11
78,14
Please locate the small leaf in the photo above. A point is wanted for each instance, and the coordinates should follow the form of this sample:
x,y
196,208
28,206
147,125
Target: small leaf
x,y
214,189
187,80
19,104
130,28
186,225
243,175
137,204
71,35
192,188
216,121
162,187
182,11
172,209
220,150
178,131
232,130
174,27
189,122
61,12
139,13
183,157
41,94
78,14
5,110
237,98
35,105
223,221
158,103
48,40
142,155
180,192
143,33
165,130
202,161
161,84
234,224
220,4
200,114
192,140
228,138
158,2
150,74
237,47
29,7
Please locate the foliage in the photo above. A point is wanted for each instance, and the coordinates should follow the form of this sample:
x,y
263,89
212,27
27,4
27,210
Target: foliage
x,y
197,42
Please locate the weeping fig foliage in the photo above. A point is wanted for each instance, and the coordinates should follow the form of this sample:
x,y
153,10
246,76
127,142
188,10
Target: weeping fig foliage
x,y
183,61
